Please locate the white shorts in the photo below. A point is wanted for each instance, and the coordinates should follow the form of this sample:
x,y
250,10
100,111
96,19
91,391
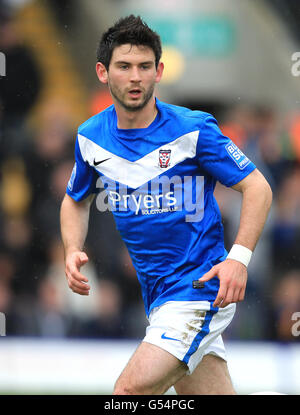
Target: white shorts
x,y
189,330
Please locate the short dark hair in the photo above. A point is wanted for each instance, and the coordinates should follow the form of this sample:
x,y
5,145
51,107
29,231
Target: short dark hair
x,y
133,30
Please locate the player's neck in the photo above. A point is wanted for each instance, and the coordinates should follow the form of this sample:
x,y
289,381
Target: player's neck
x,y
136,119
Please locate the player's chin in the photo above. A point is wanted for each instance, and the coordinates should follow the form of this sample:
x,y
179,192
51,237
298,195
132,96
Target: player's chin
x,y
135,104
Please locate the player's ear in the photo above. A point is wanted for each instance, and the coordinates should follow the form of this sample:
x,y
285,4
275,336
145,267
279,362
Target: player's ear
x,y
101,72
159,71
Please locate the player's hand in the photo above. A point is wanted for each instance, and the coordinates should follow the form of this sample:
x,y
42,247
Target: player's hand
x,y
233,279
77,281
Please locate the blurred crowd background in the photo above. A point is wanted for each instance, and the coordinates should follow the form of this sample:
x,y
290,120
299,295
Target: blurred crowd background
x,y
48,90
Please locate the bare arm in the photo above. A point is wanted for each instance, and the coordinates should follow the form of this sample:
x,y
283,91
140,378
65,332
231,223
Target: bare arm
x,y
74,217
257,199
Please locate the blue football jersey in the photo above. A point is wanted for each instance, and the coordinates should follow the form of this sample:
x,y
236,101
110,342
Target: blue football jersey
x,y
159,182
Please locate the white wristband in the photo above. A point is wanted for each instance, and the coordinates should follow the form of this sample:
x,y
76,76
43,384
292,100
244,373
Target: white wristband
x,y
240,253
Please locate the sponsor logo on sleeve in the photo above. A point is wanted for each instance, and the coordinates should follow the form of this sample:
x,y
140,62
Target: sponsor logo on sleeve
x,y
72,178
237,155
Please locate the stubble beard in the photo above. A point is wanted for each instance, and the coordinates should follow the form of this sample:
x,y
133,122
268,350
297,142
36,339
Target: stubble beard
x,y
118,95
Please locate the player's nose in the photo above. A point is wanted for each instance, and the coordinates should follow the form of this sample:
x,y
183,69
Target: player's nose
x,y
135,75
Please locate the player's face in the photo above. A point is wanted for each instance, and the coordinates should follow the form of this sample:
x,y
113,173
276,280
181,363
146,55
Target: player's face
x,y
132,76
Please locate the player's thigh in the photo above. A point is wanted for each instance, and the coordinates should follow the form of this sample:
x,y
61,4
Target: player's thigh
x,y
151,370
211,377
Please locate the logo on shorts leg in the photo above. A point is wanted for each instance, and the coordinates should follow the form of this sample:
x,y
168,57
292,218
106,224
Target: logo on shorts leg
x,y
163,336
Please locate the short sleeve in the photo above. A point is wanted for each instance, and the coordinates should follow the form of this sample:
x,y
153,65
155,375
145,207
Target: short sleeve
x,y
83,178
219,156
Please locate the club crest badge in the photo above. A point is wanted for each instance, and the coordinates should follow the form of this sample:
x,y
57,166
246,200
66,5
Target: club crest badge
x,y
164,158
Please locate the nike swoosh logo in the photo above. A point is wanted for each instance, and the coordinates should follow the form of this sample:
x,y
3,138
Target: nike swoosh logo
x,y
96,163
163,336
